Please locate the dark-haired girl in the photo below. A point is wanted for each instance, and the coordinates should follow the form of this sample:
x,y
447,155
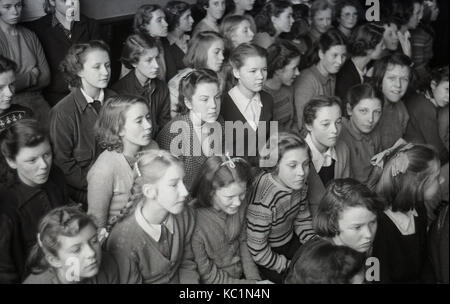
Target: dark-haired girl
x,y
214,11
320,79
88,69
347,15
220,193
30,188
275,18
423,109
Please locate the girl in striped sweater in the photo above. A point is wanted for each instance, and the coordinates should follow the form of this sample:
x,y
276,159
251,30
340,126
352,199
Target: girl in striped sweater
x,y
278,216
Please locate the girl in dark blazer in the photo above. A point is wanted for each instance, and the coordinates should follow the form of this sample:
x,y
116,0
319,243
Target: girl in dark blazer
x,y
87,69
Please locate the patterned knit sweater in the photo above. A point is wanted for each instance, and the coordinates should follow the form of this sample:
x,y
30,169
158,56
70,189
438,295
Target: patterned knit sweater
x,y
275,212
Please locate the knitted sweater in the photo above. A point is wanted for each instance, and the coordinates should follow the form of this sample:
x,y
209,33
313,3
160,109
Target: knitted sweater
x,y
140,260
392,124
222,260
275,213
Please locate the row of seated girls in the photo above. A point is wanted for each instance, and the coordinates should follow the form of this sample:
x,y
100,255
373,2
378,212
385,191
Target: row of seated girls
x,y
268,143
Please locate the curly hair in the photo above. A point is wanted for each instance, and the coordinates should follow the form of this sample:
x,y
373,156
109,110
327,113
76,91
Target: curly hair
x,y
134,47
143,17
112,119
315,104
337,11
364,38
271,9
174,10
279,55
72,64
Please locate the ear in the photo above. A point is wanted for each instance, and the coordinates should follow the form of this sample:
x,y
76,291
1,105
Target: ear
x,y
52,2
433,85
150,191
273,19
349,110
188,103
236,73
321,54
308,127
53,261
11,163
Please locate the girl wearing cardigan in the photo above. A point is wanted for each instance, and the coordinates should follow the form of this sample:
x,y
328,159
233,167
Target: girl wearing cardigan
x,y
153,243
278,215
221,253
320,78
87,68
323,124
246,102
123,129
24,48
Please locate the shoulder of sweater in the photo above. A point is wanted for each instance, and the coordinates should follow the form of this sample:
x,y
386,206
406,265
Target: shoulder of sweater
x,y
342,148
267,191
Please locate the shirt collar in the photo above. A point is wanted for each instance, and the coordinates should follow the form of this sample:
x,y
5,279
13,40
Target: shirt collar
x,y
319,158
361,73
242,101
89,99
403,221
349,126
154,231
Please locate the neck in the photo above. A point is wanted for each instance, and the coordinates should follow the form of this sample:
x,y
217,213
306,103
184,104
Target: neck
x,y
176,34
239,11
62,19
321,148
274,83
246,92
210,19
140,77
6,27
361,62
153,213
322,69
91,91
129,149
347,32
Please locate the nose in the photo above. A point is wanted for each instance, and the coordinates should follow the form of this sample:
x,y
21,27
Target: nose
x,y
147,124
327,22
164,22
367,233
398,83
259,74
300,171
191,20
372,118
221,57
251,34
89,251
236,202
155,64
333,128
183,190
9,91
105,70
296,72
44,164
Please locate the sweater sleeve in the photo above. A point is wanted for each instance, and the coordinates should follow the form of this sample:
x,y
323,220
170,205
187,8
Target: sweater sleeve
x,y
44,71
259,225
304,91
8,272
303,222
164,114
62,141
188,268
250,269
100,179
208,270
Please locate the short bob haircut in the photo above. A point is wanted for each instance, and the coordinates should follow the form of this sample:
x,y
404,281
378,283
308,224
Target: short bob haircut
x,y
322,262
279,144
174,10
280,55
271,9
360,92
189,83
438,75
72,64
340,5
7,65
111,120
364,38
243,51
229,25
216,173
143,17
330,38
25,133
65,221
405,191
341,194
388,62
315,104
197,54
134,47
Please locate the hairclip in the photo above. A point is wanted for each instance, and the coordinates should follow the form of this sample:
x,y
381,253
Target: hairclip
x,y
136,167
231,161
